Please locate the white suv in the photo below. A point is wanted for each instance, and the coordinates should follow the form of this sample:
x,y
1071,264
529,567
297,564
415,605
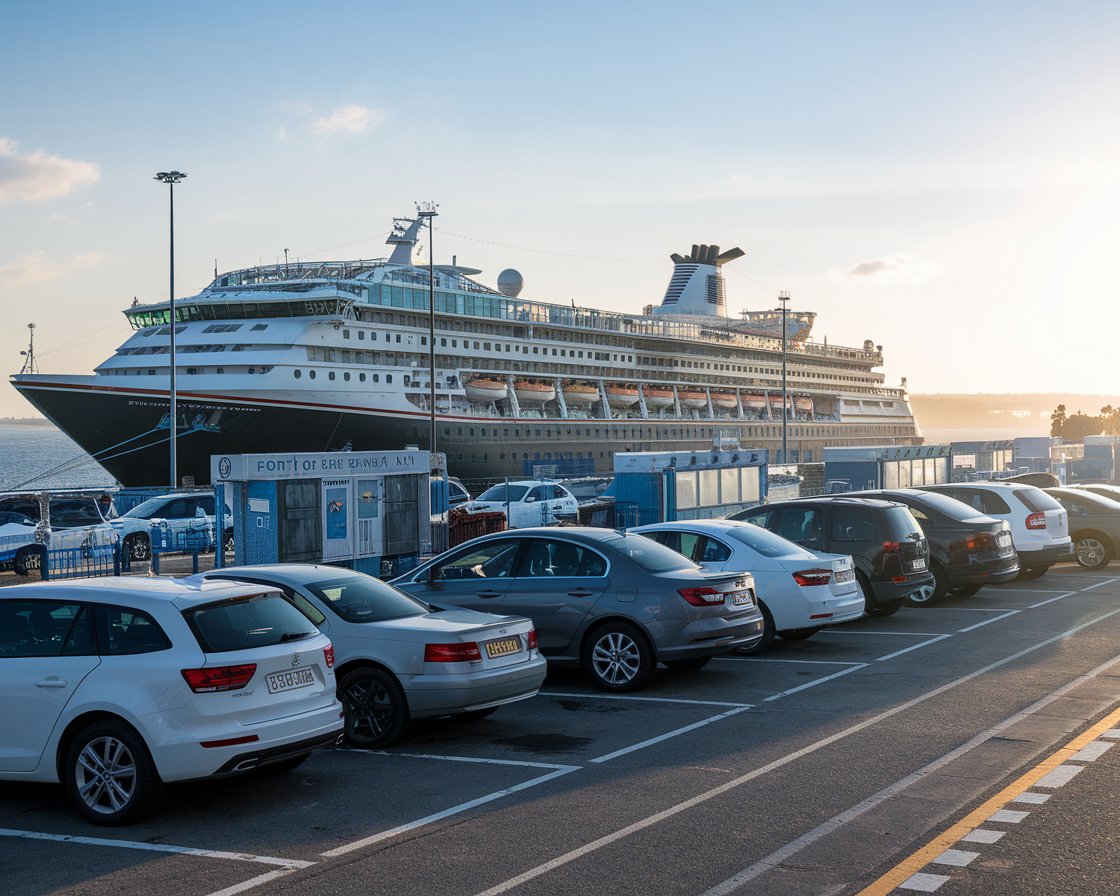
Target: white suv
x,y
183,514
528,503
123,684
1039,524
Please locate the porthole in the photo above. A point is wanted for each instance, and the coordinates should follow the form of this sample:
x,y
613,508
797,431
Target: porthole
x,y
297,373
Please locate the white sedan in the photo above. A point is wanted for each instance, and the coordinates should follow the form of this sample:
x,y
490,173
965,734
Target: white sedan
x,y
799,591
123,684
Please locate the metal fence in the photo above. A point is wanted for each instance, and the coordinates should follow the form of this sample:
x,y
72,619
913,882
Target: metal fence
x,y
82,562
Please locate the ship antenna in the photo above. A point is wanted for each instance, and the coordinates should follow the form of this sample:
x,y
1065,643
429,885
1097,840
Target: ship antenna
x,y
29,365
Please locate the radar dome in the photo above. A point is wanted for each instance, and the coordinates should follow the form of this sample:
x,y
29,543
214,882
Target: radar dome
x,y
510,283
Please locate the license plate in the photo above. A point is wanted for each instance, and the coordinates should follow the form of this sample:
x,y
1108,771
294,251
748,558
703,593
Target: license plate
x,y
289,681
740,598
503,647
1004,539
845,575
918,564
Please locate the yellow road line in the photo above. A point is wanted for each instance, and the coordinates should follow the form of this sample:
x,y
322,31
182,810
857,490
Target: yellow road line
x,y
914,863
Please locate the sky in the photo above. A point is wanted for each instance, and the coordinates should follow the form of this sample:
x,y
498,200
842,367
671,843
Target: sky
x,y
943,179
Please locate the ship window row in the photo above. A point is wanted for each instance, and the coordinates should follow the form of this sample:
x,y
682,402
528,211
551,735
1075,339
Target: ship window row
x,y
347,376
192,371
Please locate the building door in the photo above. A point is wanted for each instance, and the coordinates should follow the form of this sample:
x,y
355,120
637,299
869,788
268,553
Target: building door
x,y
301,531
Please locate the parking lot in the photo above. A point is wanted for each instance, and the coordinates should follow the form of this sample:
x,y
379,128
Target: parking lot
x,y
729,777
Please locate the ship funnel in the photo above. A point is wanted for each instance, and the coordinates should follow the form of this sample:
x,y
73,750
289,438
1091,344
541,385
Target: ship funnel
x,y
696,287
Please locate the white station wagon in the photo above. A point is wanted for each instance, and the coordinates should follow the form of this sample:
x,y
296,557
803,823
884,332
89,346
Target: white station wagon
x,y
123,684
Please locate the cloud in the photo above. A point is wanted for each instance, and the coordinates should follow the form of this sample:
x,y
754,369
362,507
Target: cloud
x,y
36,268
352,119
33,177
894,269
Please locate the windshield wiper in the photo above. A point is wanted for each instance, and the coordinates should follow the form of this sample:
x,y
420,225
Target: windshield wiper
x,y
294,636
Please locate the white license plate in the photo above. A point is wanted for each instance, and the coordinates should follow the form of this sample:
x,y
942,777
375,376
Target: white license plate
x,y
503,647
918,564
845,575
289,681
740,598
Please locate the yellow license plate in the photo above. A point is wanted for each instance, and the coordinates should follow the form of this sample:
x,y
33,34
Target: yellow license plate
x,y
503,647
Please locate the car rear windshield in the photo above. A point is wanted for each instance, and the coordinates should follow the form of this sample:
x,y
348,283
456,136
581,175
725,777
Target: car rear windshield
x,y
1036,499
949,506
504,492
366,599
649,555
245,623
768,544
901,523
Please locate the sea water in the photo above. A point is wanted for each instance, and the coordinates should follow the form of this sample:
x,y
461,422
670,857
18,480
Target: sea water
x,y
40,456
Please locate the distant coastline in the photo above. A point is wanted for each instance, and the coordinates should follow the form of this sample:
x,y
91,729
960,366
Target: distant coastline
x,y
25,421
997,416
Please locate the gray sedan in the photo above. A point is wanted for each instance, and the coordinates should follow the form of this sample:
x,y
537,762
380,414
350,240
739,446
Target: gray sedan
x,y
398,659
614,604
1094,525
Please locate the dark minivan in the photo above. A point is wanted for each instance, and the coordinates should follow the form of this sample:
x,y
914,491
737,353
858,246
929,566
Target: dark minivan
x,y
890,552
967,549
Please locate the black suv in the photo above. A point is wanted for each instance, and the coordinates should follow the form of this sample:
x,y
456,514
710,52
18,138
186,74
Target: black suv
x,y
890,552
967,549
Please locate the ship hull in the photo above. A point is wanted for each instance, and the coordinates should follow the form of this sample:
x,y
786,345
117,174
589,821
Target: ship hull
x,y
126,432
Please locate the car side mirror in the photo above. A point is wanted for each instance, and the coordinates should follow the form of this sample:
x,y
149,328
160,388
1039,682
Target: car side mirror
x,y
530,500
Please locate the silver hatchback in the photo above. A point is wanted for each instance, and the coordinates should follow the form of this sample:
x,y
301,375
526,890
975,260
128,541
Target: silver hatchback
x,y
612,603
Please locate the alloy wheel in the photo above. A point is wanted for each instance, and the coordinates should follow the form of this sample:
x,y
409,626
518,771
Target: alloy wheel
x,y
105,775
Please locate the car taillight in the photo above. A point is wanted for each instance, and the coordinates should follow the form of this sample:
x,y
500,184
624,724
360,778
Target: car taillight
x,y
812,577
981,542
1036,520
462,652
701,597
219,678
891,547
532,639
328,655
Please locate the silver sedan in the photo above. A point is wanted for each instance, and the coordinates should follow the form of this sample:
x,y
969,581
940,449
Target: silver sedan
x,y
398,659
612,603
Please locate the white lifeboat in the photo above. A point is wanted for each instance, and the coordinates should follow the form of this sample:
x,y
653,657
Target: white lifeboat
x,y
622,396
693,399
484,391
531,392
576,394
725,400
754,402
658,398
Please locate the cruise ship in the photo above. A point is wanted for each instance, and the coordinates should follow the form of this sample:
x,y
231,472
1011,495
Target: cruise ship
x,y
319,356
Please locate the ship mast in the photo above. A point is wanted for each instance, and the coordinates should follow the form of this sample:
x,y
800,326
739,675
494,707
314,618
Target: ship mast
x,y
29,365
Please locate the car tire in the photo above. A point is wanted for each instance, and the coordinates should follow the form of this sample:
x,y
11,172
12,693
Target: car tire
x,y
29,561
282,767
965,590
797,634
931,594
1091,550
375,707
873,608
768,632
618,657
110,776
139,547
1029,573
692,664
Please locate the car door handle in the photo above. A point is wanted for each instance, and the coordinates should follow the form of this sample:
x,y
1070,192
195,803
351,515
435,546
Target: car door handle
x,y
489,594
51,683
580,593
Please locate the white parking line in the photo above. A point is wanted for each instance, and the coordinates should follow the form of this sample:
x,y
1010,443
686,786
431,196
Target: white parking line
x,y
646,699
253,882
767,659
480,760
988,621
1108,581
891,656
861,631
1092,752
157,847
1043,603
814,682
782,761
446,813
656,740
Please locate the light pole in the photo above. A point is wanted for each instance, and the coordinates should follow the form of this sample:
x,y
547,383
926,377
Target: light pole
x,y
783,297
171,178
428,210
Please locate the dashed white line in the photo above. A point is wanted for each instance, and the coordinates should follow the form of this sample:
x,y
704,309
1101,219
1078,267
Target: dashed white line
x,y
1108,581
1043,603
1010,816
1061,776
1114,733
958,858
769,659
641,699
1092,752
814,683
860,631
253,882
923,882
478,759
982,835
1034,799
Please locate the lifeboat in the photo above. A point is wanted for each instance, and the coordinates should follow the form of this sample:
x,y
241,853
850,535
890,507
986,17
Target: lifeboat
x,y
804,405
754,402
576,394
658,398
532,392
484,391
693,399
725,401
622,396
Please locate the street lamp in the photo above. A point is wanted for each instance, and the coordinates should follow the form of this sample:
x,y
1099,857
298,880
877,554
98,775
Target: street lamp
x,y
171,178
783,297
428,210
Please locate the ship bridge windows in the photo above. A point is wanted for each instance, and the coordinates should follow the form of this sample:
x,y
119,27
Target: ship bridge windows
x,y
222,328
